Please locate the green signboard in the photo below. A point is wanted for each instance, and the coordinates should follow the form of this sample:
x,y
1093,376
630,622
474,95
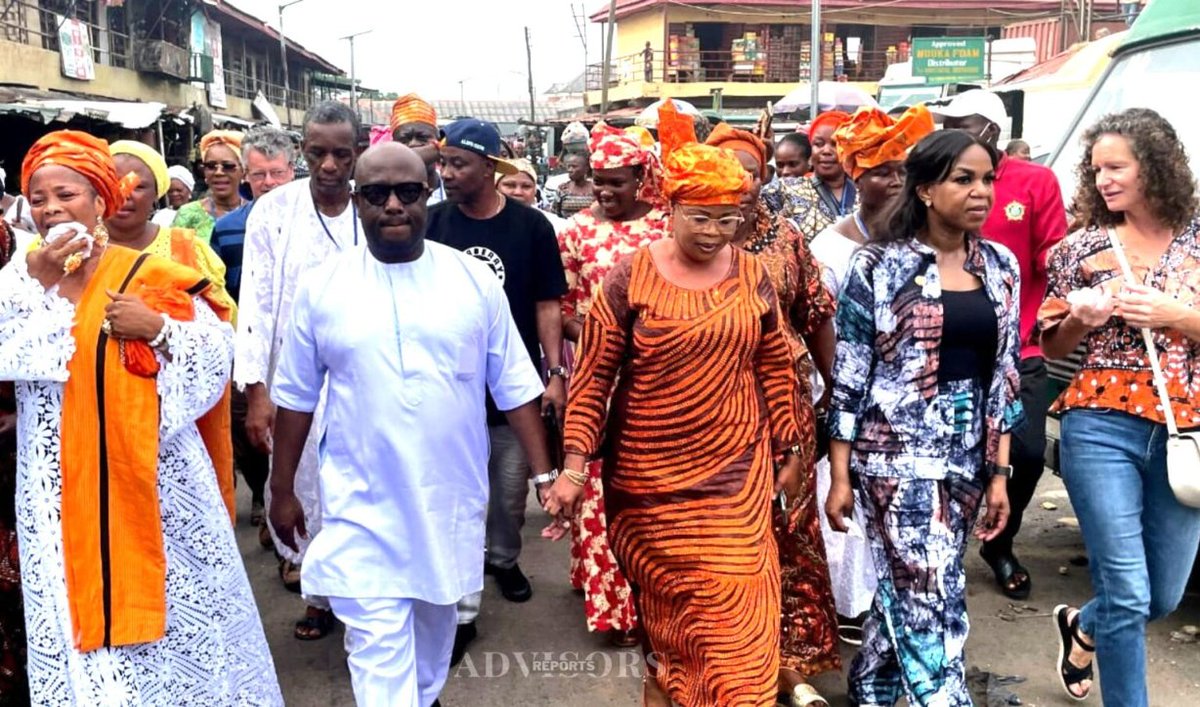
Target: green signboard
x,y
949,59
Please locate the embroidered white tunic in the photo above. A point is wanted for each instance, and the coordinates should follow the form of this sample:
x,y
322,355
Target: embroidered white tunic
x,y
214,653
408,349
285,237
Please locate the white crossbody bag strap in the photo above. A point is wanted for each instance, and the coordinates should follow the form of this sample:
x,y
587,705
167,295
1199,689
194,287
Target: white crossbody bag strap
x,y
1160,381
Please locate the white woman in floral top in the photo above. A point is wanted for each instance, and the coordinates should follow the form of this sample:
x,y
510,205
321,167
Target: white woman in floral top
x,y
1135,188
627,215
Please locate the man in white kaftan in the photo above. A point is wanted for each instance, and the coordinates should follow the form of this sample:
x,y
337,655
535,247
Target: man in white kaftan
x,y
213,652
409,335
291,230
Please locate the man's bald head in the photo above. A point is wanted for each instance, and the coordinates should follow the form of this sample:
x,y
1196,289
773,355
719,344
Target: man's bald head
x,y
390,194
390,157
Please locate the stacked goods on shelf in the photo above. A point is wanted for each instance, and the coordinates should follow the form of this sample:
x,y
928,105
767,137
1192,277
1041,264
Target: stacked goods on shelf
x,y
749,57
788,53
683,55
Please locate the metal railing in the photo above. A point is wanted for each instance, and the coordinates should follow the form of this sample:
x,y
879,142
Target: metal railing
x,y
241,85
730,66
32,24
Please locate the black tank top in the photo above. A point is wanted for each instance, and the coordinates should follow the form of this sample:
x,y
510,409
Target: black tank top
x,y
968,349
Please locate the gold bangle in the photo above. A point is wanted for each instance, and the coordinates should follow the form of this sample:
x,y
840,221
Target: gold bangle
x,y
576,477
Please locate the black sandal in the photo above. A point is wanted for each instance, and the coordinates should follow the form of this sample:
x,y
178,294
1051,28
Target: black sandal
x,y
1007,569
1068,634
316,624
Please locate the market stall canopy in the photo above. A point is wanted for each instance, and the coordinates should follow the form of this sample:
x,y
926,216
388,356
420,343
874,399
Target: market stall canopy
x,y
127,114
831,95
648,118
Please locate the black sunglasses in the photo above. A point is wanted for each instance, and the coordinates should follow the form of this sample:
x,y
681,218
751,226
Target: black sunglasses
x,y
226,166
378,194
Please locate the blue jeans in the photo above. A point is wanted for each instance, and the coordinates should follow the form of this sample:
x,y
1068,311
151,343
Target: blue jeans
x,y
1141,542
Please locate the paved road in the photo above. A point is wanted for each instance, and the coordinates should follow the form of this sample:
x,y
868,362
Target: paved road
x,y
525,652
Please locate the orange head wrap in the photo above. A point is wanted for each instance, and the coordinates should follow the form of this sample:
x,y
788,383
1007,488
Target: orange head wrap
x,y
85,154
229,138
833,117
701,175
613,148
411,108
872,138
733,139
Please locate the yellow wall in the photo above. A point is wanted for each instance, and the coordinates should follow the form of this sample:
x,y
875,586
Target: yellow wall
x,y
881,15
634,31
39,68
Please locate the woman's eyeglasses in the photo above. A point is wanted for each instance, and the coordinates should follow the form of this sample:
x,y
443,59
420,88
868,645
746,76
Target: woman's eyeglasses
x,y
700,222
221,166
377,194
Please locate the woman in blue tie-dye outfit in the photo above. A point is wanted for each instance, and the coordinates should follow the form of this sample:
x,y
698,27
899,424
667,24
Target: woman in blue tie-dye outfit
x,y
925,395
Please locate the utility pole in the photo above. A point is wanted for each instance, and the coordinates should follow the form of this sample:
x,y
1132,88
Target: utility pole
x,y
580,18
607,68
353,79
529,66
814,71
287,86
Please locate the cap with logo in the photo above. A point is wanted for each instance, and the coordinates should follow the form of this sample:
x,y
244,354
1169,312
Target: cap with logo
x,y
974,102
480,137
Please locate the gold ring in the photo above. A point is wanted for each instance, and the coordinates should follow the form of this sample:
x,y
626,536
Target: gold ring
x,y
72,263
106,327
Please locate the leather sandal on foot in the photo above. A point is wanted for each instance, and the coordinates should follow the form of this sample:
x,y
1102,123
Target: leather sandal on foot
x,y
290,574
1068,634
264,537
316,624
624,639
1011,576
805,695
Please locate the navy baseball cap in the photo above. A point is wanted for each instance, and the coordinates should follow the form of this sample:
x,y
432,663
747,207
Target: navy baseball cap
x,y
480,137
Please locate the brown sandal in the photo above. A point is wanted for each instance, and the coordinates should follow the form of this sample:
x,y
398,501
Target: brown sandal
x,y
290,574
316,624
624,639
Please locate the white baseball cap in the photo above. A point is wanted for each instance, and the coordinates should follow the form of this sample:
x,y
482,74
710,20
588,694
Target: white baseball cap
x,y
974,102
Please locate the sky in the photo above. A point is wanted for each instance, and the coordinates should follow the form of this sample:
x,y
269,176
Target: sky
x,y
428,46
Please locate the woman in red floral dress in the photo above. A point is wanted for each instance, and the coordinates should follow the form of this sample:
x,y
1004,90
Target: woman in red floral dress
x,y
627,215
808,636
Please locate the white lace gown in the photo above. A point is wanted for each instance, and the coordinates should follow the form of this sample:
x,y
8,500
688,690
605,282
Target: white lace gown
x,y
214,653
285,238
851,569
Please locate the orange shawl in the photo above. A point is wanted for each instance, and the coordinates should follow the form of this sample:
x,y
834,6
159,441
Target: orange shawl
x,y
112,527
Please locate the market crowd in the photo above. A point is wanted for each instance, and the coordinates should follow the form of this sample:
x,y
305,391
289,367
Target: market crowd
x,y
768,388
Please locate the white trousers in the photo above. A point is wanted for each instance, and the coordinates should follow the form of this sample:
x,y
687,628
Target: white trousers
x,y
398,649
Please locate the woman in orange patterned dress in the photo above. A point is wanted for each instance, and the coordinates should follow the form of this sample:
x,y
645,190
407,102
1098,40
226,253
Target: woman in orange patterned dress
x,y
808,632
706,404
627,215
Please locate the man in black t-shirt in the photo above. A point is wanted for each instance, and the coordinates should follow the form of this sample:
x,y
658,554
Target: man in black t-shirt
x,y
520,247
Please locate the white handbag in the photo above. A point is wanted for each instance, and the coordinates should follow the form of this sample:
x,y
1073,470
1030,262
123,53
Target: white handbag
x,y
1183,448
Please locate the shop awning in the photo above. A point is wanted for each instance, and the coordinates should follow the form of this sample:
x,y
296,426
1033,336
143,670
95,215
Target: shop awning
x,y
126,114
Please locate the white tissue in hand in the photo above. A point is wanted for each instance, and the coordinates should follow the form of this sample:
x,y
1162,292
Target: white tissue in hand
x,y
76,231
1087,297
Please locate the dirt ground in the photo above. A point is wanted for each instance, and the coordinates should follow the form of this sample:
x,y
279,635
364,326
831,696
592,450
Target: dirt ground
x,y
539,653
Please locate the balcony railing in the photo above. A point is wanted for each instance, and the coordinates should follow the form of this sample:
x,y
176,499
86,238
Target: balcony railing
x,y
730,66
31,24
247,86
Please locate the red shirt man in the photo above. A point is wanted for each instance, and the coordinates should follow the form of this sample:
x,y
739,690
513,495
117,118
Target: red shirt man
x,y
1028,217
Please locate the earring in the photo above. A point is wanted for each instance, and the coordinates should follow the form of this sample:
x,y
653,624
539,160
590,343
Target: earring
x,y
928,202
100,234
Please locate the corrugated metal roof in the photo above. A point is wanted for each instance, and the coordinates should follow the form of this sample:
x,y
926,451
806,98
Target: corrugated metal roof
x,y
494,111
629,7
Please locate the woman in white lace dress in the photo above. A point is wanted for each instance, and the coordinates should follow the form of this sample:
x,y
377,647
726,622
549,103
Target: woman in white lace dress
x,y
135,593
